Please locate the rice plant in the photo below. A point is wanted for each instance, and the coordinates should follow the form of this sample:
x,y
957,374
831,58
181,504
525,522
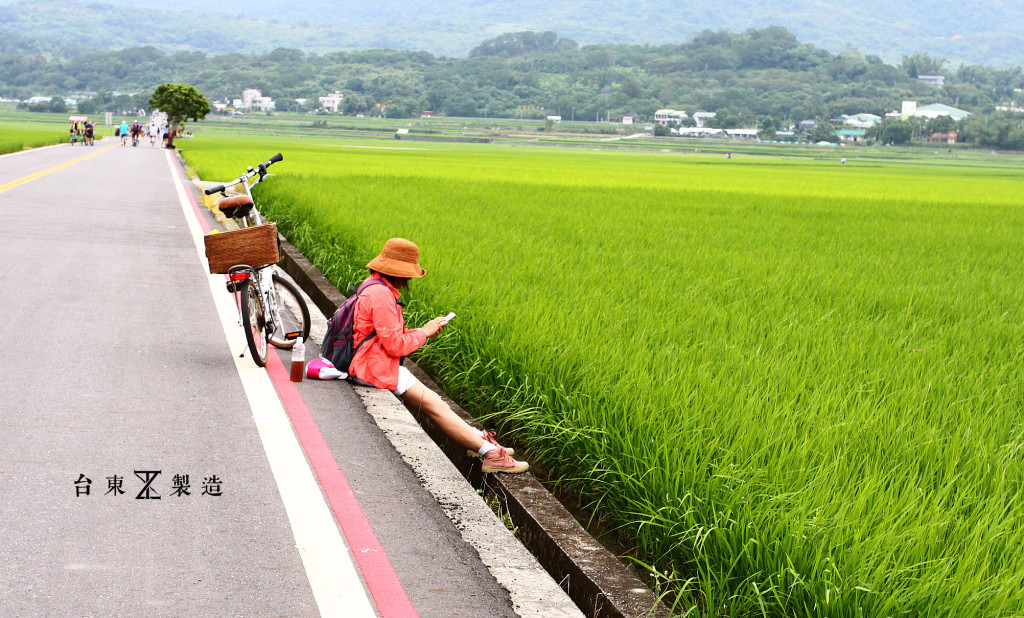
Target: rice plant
x,y
792,385
19,136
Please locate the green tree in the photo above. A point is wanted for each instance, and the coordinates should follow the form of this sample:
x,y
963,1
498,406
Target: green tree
x,y
922,64
897,132
724,119
181,103
941,124
824,132
86,106
58,106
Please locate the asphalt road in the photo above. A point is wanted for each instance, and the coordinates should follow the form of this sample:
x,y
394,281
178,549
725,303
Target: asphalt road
x,y
118,371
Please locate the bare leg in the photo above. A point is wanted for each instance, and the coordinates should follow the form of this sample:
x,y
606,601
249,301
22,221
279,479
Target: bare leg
x,y
421,398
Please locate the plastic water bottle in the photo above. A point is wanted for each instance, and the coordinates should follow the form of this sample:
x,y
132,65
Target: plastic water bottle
x,y
298,361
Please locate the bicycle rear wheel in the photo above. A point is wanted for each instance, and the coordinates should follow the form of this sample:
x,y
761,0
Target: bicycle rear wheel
x,y
254,321
293,311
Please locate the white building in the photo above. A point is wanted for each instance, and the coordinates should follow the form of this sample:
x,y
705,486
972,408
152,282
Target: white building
x,y
254,100
331,102
911,109
701,117
933,80
742,133
861,121
668,116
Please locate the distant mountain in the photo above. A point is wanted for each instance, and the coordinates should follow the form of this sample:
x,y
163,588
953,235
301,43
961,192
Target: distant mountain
x,y
987,33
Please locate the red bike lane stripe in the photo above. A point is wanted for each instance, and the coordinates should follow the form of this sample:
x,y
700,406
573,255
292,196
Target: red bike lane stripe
x,y
388,594
191,197
380,577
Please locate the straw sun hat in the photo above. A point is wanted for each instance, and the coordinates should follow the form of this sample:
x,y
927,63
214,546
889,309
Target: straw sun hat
x,y
398,258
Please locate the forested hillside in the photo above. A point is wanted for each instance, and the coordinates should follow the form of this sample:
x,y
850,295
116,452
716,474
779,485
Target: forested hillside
x,y
746,78
973,33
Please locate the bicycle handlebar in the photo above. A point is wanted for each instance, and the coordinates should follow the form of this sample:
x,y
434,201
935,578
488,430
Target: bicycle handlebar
x,y
261,169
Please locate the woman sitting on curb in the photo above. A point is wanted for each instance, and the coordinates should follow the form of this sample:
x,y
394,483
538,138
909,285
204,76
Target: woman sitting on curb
x,y
379,332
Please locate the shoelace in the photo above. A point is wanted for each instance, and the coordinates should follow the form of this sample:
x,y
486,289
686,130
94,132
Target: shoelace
x,y
502,454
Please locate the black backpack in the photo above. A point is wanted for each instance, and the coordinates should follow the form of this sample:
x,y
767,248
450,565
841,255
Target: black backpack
x,y
337,345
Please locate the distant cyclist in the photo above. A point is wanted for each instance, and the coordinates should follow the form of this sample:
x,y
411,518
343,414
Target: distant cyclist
x,y
154,131
123,132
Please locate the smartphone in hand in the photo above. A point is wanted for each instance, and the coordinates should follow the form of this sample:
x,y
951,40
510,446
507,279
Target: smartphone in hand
x,y
448,317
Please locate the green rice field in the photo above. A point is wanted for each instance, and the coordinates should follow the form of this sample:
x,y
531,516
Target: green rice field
x,y
19,136
21,129
792,386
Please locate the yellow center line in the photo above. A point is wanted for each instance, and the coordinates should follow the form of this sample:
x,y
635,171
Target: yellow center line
x,y
37,175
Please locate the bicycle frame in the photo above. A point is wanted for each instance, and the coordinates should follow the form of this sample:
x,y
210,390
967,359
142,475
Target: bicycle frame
x,y
248,180
273,322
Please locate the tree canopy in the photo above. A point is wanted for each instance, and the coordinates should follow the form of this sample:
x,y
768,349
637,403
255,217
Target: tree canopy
x,y
180,102
750,77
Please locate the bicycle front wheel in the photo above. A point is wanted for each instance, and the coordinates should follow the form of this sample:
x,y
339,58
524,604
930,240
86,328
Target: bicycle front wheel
x,y
294,313
254,321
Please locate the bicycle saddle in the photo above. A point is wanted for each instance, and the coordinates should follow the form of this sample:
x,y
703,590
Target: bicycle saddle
x,y
236,206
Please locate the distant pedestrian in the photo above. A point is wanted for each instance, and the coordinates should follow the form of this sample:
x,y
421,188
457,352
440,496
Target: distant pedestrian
x,y
90,133
164,131
382,341
154,131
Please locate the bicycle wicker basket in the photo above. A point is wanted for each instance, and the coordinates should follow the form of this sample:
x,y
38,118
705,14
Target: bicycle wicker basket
x,y
253,246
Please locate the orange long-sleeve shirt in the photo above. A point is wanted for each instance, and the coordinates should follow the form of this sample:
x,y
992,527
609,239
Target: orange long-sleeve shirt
x,y
376,362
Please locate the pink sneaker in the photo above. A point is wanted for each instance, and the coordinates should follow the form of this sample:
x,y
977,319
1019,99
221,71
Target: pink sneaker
x,y
489,437
499,460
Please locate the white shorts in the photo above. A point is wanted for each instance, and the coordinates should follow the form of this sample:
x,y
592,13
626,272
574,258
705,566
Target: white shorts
x,y
405,381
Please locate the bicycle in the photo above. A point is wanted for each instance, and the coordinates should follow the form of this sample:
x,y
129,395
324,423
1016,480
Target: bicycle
x,y
271,309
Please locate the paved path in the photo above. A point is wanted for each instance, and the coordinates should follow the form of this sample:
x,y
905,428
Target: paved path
x,y
119,371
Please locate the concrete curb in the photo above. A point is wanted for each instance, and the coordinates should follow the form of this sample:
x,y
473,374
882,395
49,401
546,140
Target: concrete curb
x,y
530,588
599,584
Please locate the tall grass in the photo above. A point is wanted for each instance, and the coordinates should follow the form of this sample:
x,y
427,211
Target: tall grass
x,y
795,383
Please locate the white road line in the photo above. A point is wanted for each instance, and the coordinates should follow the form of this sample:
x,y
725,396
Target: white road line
x,y
336,583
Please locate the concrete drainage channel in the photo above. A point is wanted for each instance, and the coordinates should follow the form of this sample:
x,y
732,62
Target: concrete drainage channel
x,y
599,584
